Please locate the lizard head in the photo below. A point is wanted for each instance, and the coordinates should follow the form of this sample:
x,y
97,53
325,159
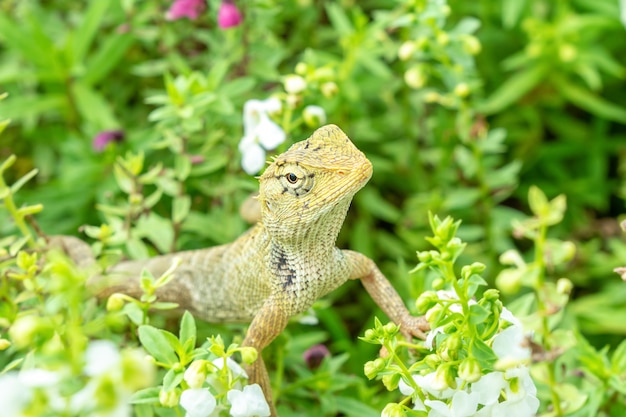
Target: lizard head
x,y
314,179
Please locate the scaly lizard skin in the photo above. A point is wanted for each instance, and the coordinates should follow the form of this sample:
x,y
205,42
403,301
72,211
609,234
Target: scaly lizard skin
x,y
287,261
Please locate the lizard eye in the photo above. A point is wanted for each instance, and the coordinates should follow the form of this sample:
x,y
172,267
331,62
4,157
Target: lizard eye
x,y
291,177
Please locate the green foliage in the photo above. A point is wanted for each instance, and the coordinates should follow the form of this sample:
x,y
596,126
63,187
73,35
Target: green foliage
x,y
478,110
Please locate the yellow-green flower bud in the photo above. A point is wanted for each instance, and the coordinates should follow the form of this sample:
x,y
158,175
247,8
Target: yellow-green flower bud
x,y
491,294
116,302
4,344
567,52
301,68
469,370
391,328
248,354
415,77
433,314
390,381
24,330
471,45
329,89
393,410
443,38
439,283
509,280
426,300
407,49
564,286
169,398
433,360
372,368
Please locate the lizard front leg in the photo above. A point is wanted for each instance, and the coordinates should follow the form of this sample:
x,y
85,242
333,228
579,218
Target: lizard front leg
x,y
268,323
383,293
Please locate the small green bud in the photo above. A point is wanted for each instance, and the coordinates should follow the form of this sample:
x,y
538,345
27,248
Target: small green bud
x,y
438,283
471,44
415,77
491,294
391,328
301,68
454,341
314,116
440,381
567,52
24,330
390,381
461,90
509,280
169,398
370,334
372,368
248,354
393,410
443,38
433,360
135,199
564,286
469,370
116,302
512,257
4,344
433,314
425,301
329,89
424,256
407,49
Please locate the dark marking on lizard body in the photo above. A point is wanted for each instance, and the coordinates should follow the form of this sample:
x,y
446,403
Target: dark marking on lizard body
x,y
281,267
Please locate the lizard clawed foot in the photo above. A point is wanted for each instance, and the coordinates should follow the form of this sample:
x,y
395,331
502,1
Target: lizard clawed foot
x,y
411,326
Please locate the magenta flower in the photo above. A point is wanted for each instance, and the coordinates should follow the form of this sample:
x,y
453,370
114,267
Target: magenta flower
x,y
190,9
314,356
229,15
105,137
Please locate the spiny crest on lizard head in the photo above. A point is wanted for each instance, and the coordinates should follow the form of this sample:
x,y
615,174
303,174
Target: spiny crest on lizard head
x,y
313,176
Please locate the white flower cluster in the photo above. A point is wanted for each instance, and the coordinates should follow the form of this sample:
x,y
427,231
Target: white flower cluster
x,y
111,377
198,401
508,391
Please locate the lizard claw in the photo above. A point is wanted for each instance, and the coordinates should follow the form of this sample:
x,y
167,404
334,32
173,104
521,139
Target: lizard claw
x,y
411,326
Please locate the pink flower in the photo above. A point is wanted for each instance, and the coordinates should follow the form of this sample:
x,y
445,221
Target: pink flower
x,y
105,137
314,356
229,15
190,9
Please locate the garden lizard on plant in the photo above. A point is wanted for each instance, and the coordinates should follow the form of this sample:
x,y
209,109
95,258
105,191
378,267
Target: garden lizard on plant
x,y
288,260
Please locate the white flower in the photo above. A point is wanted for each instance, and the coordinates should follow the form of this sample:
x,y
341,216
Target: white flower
x,y
38,378
294,84
101,356
509,346
249,402
15,396
260,133
488,388
463,404
314,116
434,385
197,402
234,367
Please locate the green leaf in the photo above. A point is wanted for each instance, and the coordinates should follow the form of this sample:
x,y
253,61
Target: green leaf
x,y
23,180
106,58
514,88
187,328
511,12
93,107
180,208
23,107
478,314
589,101
157,344
172,379
354,408
83,36
339,19
146,396
538,201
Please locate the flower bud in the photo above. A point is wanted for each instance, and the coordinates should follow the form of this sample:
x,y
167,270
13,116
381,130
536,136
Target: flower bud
x,y
301,68
371,335
567,52
425,301
314,116
391,381
196,373
393,410
391,328
169,398
24,331
491,294
415,77
439,283
440,381
564,286
116,302
4,344
509,280
469,370
248,354
471,45
424,256
372,368
512,257
294,84
433,360
433,314
461,90
329,89
406,50
443,38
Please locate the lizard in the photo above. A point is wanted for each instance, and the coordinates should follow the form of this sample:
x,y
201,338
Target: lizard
x,y
285,262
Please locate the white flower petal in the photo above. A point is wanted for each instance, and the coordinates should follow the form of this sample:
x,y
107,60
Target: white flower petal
x,y
234,367
489,387
253,159
438,408
405,389
430,337
508,345
269,133
249,402
15,396
38,378
506,315
197,402
464,404
272,105
101,356
252,110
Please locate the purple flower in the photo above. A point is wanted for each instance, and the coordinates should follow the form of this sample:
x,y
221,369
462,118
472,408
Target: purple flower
x,y
314,356
229,15
103,138
190,9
